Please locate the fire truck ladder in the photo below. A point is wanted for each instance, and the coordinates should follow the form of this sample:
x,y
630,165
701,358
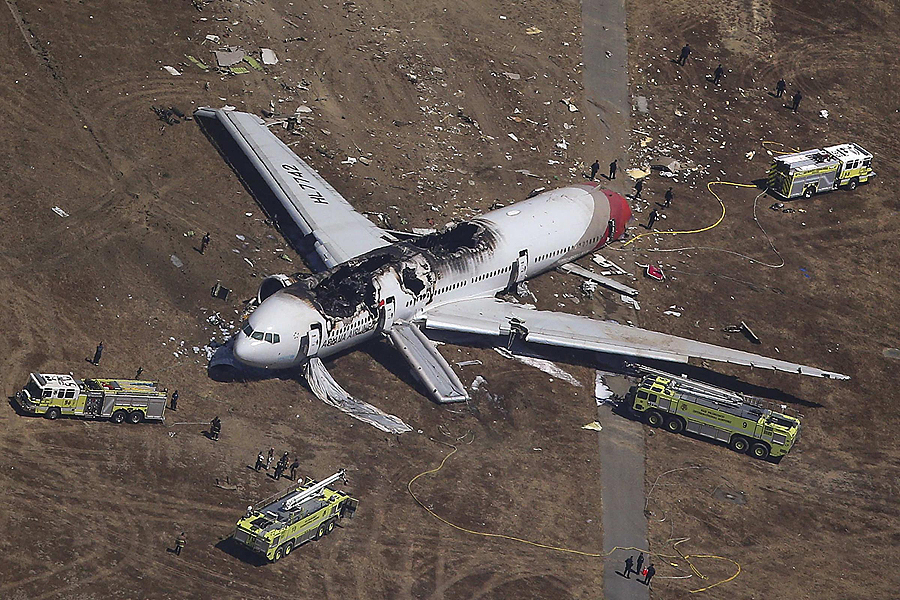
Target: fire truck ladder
x,y
292,502
696,388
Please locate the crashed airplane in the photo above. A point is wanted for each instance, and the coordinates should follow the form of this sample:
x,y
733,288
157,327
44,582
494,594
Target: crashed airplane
x,y
367,283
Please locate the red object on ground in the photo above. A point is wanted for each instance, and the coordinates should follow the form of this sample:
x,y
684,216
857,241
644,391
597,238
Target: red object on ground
x,y
655,273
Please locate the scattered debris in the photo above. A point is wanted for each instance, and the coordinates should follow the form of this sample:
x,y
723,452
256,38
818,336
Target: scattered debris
x,y
477,383
593,426
891,353
629,300
604,281
219,291
642,104
654,273
637,173
664,163
176,261
611,267
468,363
672,313
229,57
212,38
750,154
268,56
513,76
303,109
533,31
172,70
602,393
548,367
745,329
777,206
60,212
823,113
571,105
197,62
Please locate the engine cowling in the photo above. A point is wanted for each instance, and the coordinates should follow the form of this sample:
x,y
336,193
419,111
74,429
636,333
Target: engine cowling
x,y
272,284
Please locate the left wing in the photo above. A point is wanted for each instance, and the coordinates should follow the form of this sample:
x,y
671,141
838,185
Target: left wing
x,y
489,316
329,227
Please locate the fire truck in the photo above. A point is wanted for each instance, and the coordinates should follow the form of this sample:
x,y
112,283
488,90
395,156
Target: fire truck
x,y
118,400
307,511
745,423
812,171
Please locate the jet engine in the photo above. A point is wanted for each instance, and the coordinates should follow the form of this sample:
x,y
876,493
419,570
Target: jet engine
x,y
272,284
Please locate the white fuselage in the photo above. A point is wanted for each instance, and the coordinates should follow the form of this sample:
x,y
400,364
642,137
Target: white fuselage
x,y
491,253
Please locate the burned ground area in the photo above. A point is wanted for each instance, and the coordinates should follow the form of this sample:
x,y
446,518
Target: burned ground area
x,y
419,92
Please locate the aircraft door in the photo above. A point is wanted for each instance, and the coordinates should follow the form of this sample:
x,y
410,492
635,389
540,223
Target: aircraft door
x,y
315,339
518,271
386,314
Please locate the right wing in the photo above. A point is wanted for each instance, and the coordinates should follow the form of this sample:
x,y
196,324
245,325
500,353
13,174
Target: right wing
x,y
489,316
330,230
427,363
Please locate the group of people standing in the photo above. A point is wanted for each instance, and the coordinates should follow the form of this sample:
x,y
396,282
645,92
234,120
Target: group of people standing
x,y
265,461
630,567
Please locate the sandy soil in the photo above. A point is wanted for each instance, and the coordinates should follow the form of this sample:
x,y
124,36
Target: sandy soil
x,y
90,508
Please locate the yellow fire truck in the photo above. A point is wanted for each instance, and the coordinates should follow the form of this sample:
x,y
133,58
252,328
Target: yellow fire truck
x,y
743,422
820,170
307,511
118,400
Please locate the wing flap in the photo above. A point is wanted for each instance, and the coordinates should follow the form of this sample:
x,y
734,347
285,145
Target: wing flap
x,y
427,363
334,231
489,316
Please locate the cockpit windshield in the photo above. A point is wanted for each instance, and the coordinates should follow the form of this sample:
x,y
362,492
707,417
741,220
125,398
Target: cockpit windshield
x,y
272,338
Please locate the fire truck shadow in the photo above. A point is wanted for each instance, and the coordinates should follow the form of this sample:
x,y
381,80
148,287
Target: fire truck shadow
x,y
235,550
15,406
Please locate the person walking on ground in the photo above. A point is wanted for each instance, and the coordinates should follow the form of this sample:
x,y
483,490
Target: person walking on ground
x,y
669,197
204,243
279,470
98,354
179,544
260,461
628,564
718,74
175,400
612,168
780,87
638,186
682,58
795,101
653,217
294,466
651,571
270,458
640,563
215,427
594,168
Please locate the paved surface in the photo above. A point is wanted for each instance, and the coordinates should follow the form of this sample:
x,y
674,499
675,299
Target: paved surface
x,y
621,441
606,81
622,490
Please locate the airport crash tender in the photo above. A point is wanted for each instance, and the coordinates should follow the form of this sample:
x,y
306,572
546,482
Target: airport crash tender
x,y
812,171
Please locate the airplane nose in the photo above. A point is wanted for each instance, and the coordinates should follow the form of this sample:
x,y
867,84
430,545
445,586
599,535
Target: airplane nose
x,y
618,210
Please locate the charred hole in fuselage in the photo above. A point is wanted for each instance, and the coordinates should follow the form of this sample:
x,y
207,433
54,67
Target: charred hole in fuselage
x,y
464,235
411,281
340,293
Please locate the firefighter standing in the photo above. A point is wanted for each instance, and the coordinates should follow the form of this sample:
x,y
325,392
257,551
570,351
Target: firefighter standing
x,y
628,564
718,74
594,168
640,563
795,101
682,58
780,87
215,427
653,217
175,400
204,243
294,466
179,544
260,461
651,571
98,353
669,197
270,458
638,186
612,168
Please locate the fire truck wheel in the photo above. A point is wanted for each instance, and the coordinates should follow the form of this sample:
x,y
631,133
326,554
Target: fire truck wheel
x,y
320,533
279,553
135,417
288,548
760,451
52,413
809,191
119,416
853,183
739,443
329,527
655,418
675,424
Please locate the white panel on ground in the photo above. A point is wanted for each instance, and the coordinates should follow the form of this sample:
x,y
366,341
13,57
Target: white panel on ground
x,y
427,363
328,391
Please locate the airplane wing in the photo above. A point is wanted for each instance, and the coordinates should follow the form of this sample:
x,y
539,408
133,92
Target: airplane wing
x,y
489,316
328,230
427,364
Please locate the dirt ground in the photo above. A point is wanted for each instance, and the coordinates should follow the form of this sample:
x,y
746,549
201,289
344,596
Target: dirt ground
x,y
422,90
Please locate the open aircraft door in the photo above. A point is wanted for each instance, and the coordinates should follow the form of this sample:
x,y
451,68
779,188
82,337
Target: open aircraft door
x,y
386,314
519,269
314,339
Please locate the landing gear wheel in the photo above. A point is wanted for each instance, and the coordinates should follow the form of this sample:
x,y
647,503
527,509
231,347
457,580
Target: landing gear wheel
x,y
135,417
655,418
759,450
52,413
739,443
853,184
119,416
675,424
